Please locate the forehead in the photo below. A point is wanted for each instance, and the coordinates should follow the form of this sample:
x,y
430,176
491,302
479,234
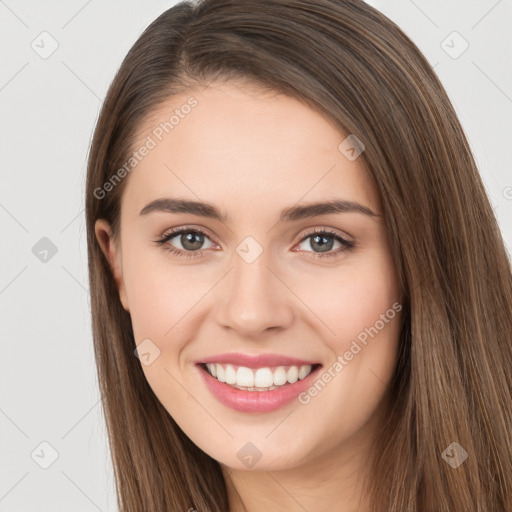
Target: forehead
x,y
234,144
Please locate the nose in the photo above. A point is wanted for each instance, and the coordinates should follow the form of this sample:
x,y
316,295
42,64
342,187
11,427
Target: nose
x,y
254,299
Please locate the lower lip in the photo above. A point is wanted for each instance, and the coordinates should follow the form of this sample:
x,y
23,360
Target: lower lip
x,y
256,401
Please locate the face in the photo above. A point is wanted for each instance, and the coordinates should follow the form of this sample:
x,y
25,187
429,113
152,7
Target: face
x,y
299,307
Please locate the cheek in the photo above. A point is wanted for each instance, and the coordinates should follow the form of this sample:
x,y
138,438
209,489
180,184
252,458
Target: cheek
x,y
363,311
363,305
161,297
358,312
160,293
351,298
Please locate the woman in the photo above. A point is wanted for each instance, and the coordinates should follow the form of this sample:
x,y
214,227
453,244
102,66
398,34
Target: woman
x,y
301,296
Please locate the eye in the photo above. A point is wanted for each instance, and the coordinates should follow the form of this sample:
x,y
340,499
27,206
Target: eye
x,y
191,241
323,240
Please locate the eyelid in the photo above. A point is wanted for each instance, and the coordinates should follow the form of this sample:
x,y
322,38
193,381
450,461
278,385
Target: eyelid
x,y
171,233
325,229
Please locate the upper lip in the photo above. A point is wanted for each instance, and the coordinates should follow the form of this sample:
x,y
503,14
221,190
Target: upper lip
x,y
255,361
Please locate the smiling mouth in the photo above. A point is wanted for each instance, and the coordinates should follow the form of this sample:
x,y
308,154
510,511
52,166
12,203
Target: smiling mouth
x,y
258,379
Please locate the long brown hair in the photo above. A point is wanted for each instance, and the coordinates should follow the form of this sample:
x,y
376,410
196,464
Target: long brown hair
x,y
453,380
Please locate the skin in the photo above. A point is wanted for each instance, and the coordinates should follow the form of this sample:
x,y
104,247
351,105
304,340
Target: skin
x,y
252,153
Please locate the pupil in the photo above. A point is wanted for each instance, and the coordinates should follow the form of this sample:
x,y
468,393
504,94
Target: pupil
x,y
195,239
324,245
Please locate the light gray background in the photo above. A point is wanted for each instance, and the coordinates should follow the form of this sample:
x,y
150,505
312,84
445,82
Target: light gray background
x,y
48,387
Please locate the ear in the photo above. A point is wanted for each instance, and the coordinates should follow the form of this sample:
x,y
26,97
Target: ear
x,y
112,253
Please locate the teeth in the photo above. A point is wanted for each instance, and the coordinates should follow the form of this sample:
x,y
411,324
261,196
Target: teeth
x,y
280,376
304,371
230,375
213,369
244,376
220,373
261,379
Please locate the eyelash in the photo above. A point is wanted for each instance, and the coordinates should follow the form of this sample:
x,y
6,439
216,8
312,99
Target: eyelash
x,y
347,244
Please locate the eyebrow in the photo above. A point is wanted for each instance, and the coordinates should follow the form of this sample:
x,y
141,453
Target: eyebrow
x,y
292,213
